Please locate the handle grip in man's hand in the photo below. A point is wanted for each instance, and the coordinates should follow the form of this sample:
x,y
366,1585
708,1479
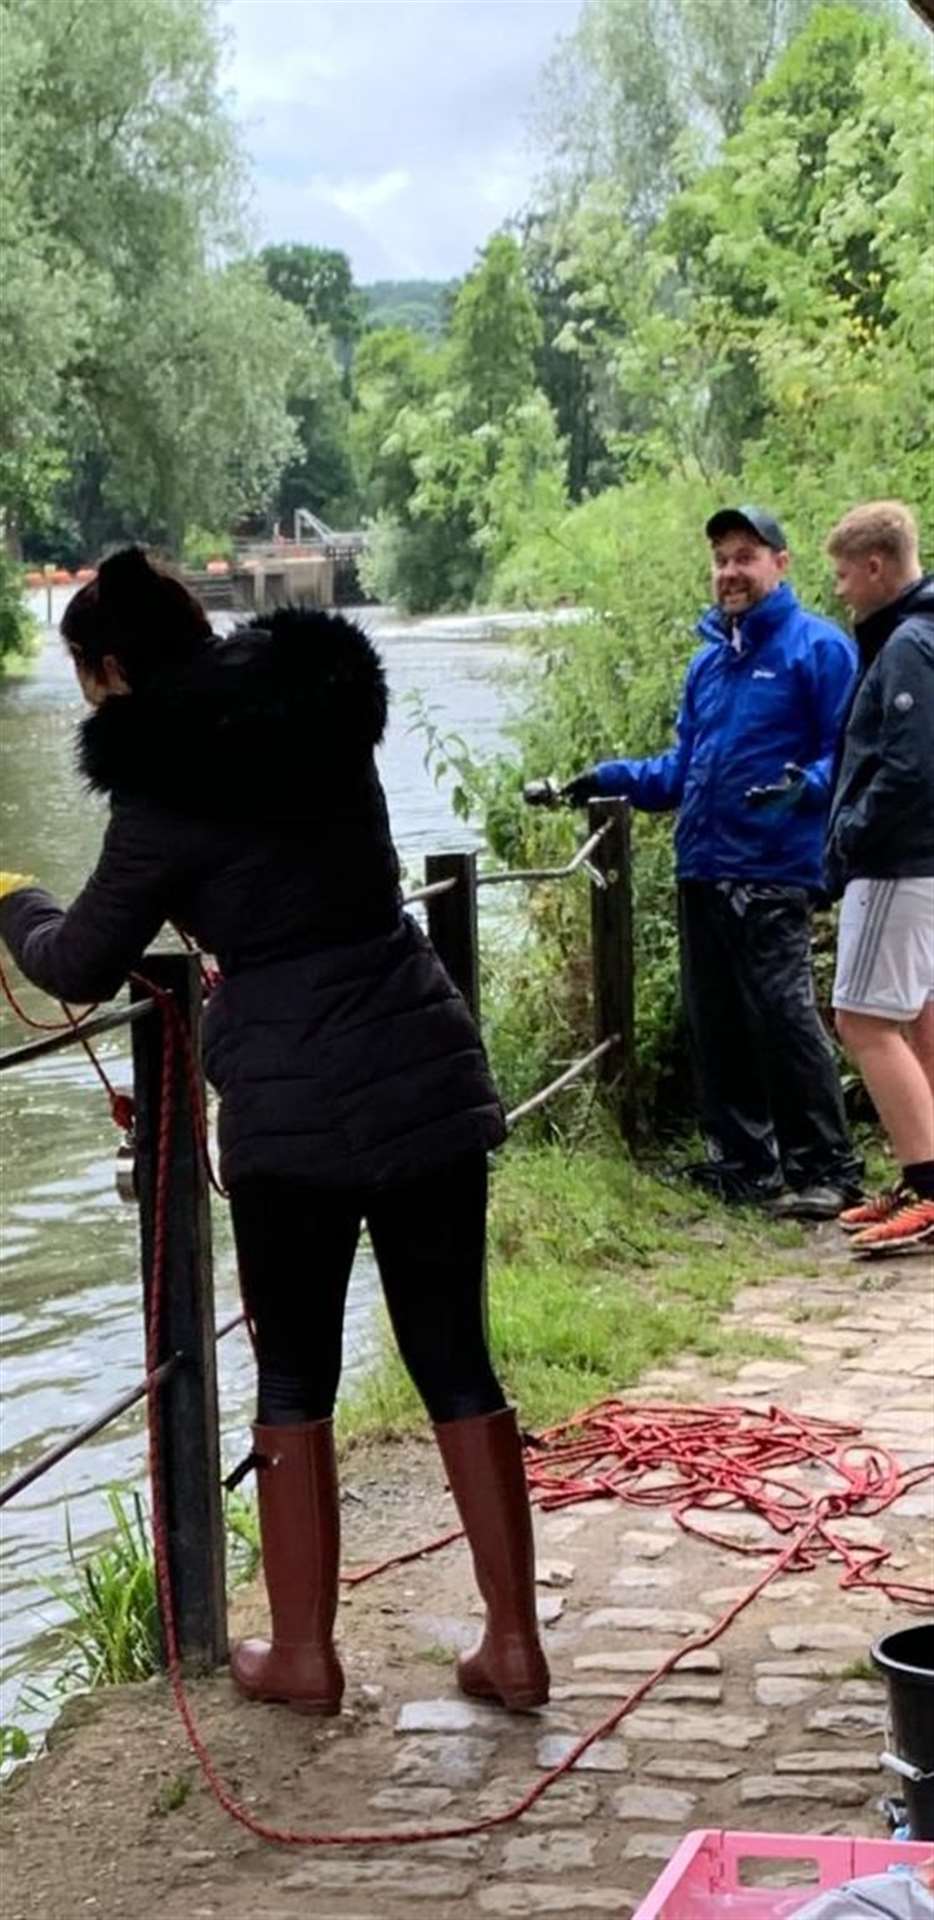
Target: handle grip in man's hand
x,y
781,794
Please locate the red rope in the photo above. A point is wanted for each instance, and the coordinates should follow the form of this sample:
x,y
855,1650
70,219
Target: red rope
x,y
121,1104
714,1458
721,1456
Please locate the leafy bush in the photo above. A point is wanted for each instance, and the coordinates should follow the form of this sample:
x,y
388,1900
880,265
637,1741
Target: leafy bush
x,y
201,546
19,633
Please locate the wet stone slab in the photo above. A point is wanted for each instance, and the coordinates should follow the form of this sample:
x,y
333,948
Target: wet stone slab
x,y
836,1788
450,1760
557,1852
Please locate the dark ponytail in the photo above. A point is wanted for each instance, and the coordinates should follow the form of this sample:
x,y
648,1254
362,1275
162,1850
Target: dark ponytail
x,y
139,612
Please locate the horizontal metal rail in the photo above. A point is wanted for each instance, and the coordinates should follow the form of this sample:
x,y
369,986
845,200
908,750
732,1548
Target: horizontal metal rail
x,y
229,1326
580,859
565,1079
75,1036
432,892
103,1419
77,1437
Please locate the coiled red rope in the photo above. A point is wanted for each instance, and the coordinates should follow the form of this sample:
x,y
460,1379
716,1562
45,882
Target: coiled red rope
x,y
689,1459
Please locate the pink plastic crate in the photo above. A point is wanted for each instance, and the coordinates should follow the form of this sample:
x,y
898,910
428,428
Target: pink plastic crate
x,y
703,1880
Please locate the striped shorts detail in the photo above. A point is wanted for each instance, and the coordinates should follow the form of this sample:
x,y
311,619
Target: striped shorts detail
x,y
885,951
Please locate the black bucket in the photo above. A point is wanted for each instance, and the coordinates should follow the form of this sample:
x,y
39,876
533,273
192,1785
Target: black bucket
x,y
906,1659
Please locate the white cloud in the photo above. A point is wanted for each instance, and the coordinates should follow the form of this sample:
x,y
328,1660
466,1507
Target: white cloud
x,y
394,129
360,197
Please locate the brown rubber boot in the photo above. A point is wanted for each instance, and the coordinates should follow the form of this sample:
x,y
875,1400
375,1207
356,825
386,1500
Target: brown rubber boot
x,y
483,1460
299,1519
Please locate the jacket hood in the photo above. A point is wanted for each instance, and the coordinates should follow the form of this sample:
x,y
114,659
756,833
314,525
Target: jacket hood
x,y
872,633
756,623
259,724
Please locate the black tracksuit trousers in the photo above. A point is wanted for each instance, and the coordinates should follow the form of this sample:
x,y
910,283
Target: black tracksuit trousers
x,y
770,1097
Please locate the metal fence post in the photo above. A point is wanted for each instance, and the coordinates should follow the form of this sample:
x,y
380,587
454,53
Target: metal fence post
x,y
190,1444
452,921
613,969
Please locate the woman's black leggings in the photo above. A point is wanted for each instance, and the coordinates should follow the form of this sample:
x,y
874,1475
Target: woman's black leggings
x,y
296,1245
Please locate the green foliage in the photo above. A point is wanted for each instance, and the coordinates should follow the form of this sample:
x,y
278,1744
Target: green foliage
x,y
459,469
152,377
201,546
14,1744
18,630
112,1632
770,340
319,281
173,1793
420,306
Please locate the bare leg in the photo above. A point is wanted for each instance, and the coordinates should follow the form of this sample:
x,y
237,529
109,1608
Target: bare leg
x,y
920,1038
902,1092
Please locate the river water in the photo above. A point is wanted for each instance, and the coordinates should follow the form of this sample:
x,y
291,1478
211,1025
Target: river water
x,y
70,1323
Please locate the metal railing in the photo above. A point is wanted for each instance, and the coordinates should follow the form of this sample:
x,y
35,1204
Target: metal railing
x,y
185,1370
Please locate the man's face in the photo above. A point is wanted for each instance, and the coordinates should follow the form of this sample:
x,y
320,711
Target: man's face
x,y
862,582
744,570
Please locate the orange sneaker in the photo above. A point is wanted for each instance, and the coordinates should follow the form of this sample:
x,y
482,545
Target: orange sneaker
x,y
912,1225
871,1211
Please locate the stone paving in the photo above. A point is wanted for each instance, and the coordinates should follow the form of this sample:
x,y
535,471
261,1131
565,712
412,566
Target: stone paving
x,y
778,1726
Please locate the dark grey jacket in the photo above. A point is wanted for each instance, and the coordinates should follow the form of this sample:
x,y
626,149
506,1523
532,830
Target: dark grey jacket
x,y
246,809
882,818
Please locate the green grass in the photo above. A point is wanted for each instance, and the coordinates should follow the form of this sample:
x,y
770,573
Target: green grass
x,y
598,1271
173,1794
111,1632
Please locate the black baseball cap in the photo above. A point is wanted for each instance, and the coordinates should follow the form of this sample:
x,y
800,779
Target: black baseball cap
x,y
747,520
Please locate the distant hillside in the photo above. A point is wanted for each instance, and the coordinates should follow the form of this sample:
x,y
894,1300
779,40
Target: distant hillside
x,y
420,305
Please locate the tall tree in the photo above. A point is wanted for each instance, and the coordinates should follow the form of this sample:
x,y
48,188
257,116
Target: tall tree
x,y
643,92
317,282
320,281
495,333
126,194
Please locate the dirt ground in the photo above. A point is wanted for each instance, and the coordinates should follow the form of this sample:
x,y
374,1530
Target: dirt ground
x,y
780,1727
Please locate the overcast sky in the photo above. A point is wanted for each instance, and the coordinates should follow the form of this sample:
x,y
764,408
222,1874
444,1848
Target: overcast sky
x,y
395,129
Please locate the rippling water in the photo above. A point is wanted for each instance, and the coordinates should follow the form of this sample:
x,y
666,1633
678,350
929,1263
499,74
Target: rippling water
x,y
70,1323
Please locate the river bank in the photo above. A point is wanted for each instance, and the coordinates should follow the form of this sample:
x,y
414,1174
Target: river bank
x,y
778,1727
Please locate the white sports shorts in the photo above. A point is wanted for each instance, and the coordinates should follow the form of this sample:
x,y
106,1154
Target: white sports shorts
x,y
885,950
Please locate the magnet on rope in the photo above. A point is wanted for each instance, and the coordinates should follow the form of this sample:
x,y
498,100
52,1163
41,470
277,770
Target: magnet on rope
x,y
125,1169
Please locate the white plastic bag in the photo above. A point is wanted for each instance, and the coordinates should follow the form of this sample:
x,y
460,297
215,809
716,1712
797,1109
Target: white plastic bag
x,y
899,1895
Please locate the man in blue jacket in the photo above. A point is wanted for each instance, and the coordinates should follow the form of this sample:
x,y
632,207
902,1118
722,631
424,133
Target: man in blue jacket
x,y
751,774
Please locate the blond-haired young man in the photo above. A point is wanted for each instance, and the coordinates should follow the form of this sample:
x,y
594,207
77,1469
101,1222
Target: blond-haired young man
x,y
881,859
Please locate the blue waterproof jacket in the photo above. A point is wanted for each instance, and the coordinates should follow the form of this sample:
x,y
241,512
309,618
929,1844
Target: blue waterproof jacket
x,y
781,695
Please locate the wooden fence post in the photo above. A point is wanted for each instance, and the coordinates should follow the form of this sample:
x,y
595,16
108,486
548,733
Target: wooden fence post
x,y
613,969
452,921
190,1445
452,929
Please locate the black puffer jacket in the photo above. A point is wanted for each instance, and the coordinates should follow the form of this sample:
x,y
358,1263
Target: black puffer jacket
x,y
246,808
882,818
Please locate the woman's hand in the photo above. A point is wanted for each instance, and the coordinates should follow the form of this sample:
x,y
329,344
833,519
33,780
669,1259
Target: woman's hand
x,y
14,882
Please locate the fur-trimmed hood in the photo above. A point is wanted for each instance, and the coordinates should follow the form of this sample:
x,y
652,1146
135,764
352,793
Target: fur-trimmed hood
x,y
258,725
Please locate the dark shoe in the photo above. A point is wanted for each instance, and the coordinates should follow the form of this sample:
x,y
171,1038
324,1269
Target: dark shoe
x,y
299,1518
483,1462
817,1202
733,1184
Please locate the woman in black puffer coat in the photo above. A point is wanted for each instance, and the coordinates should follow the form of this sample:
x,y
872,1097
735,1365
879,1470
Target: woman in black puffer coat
x,y
246,808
